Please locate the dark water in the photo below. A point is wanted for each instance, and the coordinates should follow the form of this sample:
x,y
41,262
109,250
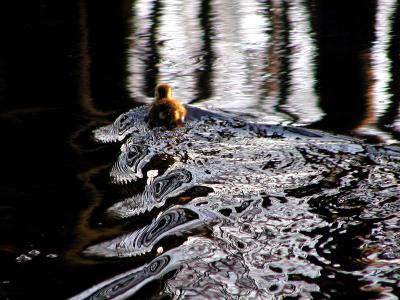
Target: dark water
x,y
69,67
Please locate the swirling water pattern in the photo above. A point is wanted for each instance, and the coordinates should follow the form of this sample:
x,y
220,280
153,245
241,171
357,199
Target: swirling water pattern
x,y
124,285
279,200
174,220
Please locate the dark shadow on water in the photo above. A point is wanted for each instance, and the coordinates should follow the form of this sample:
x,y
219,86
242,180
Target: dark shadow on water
x,y
107,28
205,71
63,69
284,52
344,35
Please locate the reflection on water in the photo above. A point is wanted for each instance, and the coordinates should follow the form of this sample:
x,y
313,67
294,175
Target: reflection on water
x,y
280,203
240,208
128,283
156,193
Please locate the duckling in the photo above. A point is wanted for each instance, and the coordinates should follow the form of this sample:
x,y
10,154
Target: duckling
x,y
165,110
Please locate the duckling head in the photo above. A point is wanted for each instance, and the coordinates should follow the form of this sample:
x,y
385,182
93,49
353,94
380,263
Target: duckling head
x,y
163,91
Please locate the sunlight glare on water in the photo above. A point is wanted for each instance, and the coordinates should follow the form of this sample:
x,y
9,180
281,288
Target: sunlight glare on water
x,y
181,34
139,45
240,49
381,96
302,102
381,63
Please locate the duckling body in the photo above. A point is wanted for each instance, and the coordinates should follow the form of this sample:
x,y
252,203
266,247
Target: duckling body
x,y
165,110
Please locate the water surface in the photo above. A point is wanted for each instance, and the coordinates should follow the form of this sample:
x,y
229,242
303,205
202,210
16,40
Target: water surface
x,y
69,67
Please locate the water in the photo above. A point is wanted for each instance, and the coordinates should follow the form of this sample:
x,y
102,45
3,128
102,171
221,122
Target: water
x,y
68,68
275,196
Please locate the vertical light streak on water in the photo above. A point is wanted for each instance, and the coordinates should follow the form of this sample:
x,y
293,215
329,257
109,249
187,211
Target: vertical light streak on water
x,y
395,20
253,38
380,66
302,100
240,53
180,42
140,36
380,59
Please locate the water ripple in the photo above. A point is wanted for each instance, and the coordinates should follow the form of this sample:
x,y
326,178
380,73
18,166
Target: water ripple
x,y
285,209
